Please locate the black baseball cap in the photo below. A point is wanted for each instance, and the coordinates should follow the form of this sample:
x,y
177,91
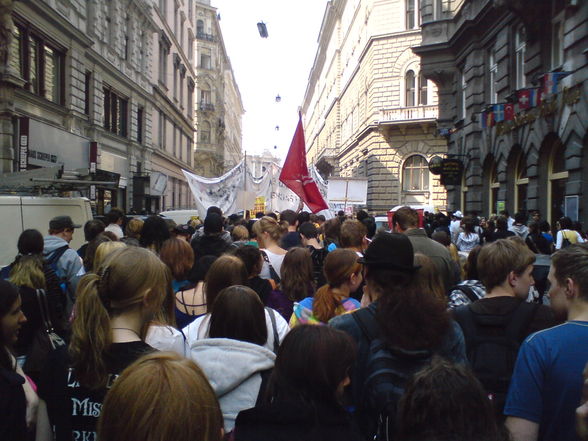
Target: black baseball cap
x,y
62,223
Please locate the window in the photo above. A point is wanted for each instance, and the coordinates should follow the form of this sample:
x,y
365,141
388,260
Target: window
x,y
182,78
557,28
199,27
87,91
163,6
412,14
492,72
162,133
521,184
190,47
190,97
164,49
109,22
409,84
176,19
205,59
182,32
176,70
520,46
141,49
39,63
140,112
115,112
174,137
415,174
423,90
494,187
205,132
462,95
558,177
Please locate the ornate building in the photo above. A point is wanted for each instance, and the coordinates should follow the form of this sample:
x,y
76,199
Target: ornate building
x,y
368,110
512,88
219,108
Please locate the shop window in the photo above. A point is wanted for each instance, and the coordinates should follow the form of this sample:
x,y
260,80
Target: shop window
x,y
39,63
115,112
494,186
521,183
558,177
415,174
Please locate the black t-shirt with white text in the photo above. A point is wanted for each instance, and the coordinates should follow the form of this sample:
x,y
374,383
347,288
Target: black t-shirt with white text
x,y
74,409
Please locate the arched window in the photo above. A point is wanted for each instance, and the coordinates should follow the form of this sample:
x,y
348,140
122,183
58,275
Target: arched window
x,y
199,28
521,184
423,98
415,174
558,177
494,187
409,85
205,132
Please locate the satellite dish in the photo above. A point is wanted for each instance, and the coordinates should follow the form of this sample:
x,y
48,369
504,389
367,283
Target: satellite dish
x,y
262,28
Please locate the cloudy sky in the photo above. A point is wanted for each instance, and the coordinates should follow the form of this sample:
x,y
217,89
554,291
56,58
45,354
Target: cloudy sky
x,y
267,67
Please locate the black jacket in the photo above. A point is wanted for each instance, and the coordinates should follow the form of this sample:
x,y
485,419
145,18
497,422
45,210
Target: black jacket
x,y
295,422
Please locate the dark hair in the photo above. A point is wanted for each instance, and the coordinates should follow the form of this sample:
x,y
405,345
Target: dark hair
x,y
303,216
91,250
471,265
251,257
238,314
544,226
361,215
501,223
213,209
30,242
93,228
8,296
352,233
408,317
113,215
297,274
289,216
332,229
572,262
201,267
224,272
442,237
308,230
565,223
468,225
520,218
155,232
446,399
311,364
370,225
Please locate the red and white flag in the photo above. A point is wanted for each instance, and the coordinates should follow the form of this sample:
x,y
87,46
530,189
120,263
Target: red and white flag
x,y
295,174
509,111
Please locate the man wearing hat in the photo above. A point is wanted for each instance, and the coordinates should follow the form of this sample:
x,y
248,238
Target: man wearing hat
x,y
455,225
56,249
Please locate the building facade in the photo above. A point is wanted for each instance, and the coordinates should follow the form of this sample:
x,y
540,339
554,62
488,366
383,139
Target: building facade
x,y
174,83
368,111
512,87
219,108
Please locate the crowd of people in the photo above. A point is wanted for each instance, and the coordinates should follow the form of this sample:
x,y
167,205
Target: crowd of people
x,y
293,327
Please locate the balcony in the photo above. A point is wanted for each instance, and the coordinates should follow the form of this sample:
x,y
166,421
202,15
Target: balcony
x,y
206,107
204,36
408,114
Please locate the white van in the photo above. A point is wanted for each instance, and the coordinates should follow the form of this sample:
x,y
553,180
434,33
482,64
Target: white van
x,y
180,217
19,213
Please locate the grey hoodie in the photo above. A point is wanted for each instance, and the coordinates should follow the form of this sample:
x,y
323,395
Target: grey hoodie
x,y
70,262
233,368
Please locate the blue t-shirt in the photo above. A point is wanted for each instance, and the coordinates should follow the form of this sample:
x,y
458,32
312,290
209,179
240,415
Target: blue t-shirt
x,y
546,385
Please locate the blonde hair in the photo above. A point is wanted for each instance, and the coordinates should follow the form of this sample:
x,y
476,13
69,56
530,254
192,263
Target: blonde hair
x,y
134,228
270,226
240,232
126,277
28,271
339,266
133,410
103,250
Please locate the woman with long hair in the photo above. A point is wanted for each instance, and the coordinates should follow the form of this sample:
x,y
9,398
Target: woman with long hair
x,y
468,238
14,388
429,277
269,233
233,357
297,281
446,401
304,393
34,278
406,318
114,308
133,408
343,274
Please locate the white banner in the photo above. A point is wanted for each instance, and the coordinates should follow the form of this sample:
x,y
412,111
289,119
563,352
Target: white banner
x,y
225,191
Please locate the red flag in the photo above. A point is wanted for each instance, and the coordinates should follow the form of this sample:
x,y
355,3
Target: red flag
x,y
524,98
295,174
509,112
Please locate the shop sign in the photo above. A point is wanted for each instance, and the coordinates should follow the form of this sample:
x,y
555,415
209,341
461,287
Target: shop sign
x,y
436,165
451,170
500,206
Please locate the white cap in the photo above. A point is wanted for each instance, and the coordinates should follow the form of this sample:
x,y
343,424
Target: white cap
x,y
458,214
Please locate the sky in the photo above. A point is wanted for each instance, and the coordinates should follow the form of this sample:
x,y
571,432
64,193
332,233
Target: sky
x,y
267,67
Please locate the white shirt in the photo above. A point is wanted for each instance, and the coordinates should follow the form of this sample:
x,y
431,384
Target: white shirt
x,y
569,235
198,329
116,229
276,261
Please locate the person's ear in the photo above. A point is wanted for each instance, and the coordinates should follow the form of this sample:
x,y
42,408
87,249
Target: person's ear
x,y
512,278
571,288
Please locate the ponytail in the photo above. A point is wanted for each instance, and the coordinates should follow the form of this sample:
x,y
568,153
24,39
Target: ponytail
x,y
326,301
27,270
91,335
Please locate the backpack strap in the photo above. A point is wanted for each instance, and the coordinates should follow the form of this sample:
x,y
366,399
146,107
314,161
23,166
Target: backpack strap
x,y
365,319
467,290
273,274
56,255
272,316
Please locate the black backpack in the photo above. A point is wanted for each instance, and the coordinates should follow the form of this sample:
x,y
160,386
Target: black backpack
x,y
492,346
387,370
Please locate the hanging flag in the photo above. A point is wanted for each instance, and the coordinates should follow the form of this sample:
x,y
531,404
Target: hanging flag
x,y
498,110
509,111
483,120
490,119
524,98
295,174
550,81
